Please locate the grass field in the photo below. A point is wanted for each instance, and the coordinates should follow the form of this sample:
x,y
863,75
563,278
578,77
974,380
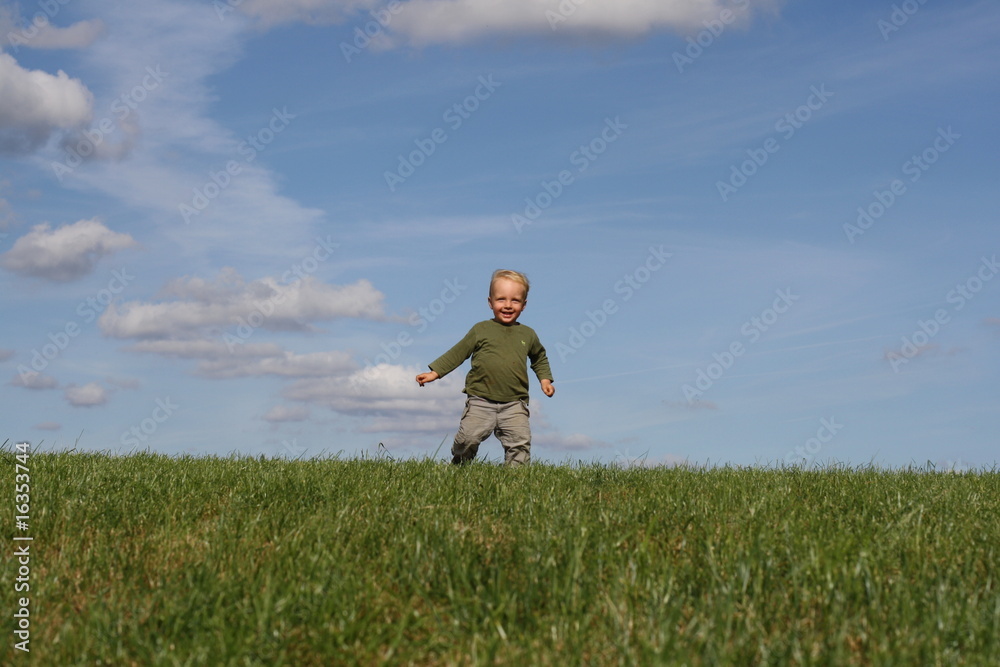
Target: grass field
x,y
154,560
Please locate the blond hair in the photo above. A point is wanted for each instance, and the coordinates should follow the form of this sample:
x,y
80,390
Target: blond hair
x,y
510,275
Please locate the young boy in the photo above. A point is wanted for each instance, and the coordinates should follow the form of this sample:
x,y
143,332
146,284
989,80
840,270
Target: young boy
x,y
497,385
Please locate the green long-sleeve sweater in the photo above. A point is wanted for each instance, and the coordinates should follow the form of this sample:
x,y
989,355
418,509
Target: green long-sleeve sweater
x,y
499,360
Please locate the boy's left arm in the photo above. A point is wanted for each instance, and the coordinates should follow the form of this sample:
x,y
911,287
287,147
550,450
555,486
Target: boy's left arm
x,y
540,365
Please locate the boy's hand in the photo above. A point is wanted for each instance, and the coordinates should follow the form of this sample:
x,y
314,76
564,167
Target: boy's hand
x,y
547,387
427,377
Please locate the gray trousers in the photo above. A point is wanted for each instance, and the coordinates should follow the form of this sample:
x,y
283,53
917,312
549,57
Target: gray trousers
x,y
509,421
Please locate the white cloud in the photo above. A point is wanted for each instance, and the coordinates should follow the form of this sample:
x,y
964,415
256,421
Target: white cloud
x,y
34,104
211,320
86,396
421,22
284,413
456,21
574,442
388,394
48,426
232,301
6,354
66,253
34,380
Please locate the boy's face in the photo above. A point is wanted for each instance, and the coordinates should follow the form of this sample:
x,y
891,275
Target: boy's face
x,y
506,300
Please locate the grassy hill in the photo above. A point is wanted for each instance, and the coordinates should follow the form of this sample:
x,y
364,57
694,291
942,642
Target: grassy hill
x,y
154,560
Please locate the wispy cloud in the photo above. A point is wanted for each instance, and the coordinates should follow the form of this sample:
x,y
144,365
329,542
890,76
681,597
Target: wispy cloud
x,y
286,413
268,13
577,443
173,143
6,217
48,426
17,31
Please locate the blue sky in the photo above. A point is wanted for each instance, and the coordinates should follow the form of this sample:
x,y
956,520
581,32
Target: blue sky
x,y
757,233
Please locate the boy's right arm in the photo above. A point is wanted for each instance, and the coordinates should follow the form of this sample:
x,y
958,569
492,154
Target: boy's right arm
x,y
451,359
424,378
